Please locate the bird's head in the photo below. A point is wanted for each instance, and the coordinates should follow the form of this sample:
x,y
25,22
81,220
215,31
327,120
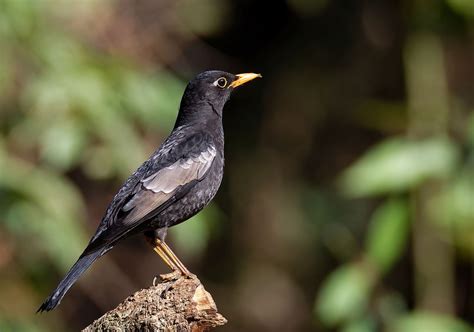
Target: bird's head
x,y
212,88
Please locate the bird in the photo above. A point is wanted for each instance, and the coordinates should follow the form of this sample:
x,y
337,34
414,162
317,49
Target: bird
x,y
178,180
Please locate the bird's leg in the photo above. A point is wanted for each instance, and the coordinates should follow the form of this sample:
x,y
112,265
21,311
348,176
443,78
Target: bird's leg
x,y
171,255
160,235
157,240
152,241
152,238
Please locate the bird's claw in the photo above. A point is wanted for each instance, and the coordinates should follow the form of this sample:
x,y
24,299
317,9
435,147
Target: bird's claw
x,y
172,276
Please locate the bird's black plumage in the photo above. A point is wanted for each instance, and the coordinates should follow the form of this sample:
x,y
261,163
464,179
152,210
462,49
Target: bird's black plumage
x,y
174,184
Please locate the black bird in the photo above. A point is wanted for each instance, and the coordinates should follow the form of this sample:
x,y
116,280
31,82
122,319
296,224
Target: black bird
x,y
174,184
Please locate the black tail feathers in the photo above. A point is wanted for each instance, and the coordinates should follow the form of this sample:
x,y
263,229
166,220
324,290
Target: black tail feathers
x,y
74,273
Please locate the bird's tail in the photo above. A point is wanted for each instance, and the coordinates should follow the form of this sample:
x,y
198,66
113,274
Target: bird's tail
x,y
74,273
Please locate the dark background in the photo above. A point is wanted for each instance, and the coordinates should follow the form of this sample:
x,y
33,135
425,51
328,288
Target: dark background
x,y
348,197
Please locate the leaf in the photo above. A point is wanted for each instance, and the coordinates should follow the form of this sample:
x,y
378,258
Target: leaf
x,y
362,325
387,234
427,321
463,7
456,204
344,295
397,165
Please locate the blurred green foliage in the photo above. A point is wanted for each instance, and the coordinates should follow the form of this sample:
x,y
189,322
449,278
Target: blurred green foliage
x,y
66,108
397,165
422,321
387,235
422,179
344,295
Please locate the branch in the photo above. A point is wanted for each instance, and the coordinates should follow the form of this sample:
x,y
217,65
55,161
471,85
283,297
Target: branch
x,y
175,304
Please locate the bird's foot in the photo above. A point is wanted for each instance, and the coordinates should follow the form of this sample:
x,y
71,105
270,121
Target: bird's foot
x,y
172,276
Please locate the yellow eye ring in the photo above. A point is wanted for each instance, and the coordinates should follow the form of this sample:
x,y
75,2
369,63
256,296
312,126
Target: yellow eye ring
x,y
221,82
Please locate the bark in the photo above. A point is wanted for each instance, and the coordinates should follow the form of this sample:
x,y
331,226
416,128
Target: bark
x,y
175,304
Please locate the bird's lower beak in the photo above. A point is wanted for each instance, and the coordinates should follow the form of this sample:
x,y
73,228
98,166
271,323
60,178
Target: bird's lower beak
x,y
243,78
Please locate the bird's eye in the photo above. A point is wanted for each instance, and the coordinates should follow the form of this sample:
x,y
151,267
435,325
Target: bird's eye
x,y
221,82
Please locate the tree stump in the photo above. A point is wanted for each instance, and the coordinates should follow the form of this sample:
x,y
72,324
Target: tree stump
x,y
177,303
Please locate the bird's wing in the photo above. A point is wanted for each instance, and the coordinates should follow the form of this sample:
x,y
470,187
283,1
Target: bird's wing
x,y
181,162
162,185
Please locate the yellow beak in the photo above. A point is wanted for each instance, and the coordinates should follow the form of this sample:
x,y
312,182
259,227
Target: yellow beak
x,y
243,78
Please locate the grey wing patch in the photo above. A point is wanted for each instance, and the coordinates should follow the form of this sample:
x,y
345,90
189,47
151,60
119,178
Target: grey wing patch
x,y
181,172
161,186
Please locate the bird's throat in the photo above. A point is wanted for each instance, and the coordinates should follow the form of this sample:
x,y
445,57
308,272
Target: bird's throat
x,y
219,114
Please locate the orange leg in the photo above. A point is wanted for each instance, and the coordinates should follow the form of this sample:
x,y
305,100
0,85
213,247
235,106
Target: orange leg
x,y
172,256
167,255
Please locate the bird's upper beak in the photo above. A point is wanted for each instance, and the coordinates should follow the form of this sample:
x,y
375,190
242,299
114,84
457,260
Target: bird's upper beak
x,y
243,78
